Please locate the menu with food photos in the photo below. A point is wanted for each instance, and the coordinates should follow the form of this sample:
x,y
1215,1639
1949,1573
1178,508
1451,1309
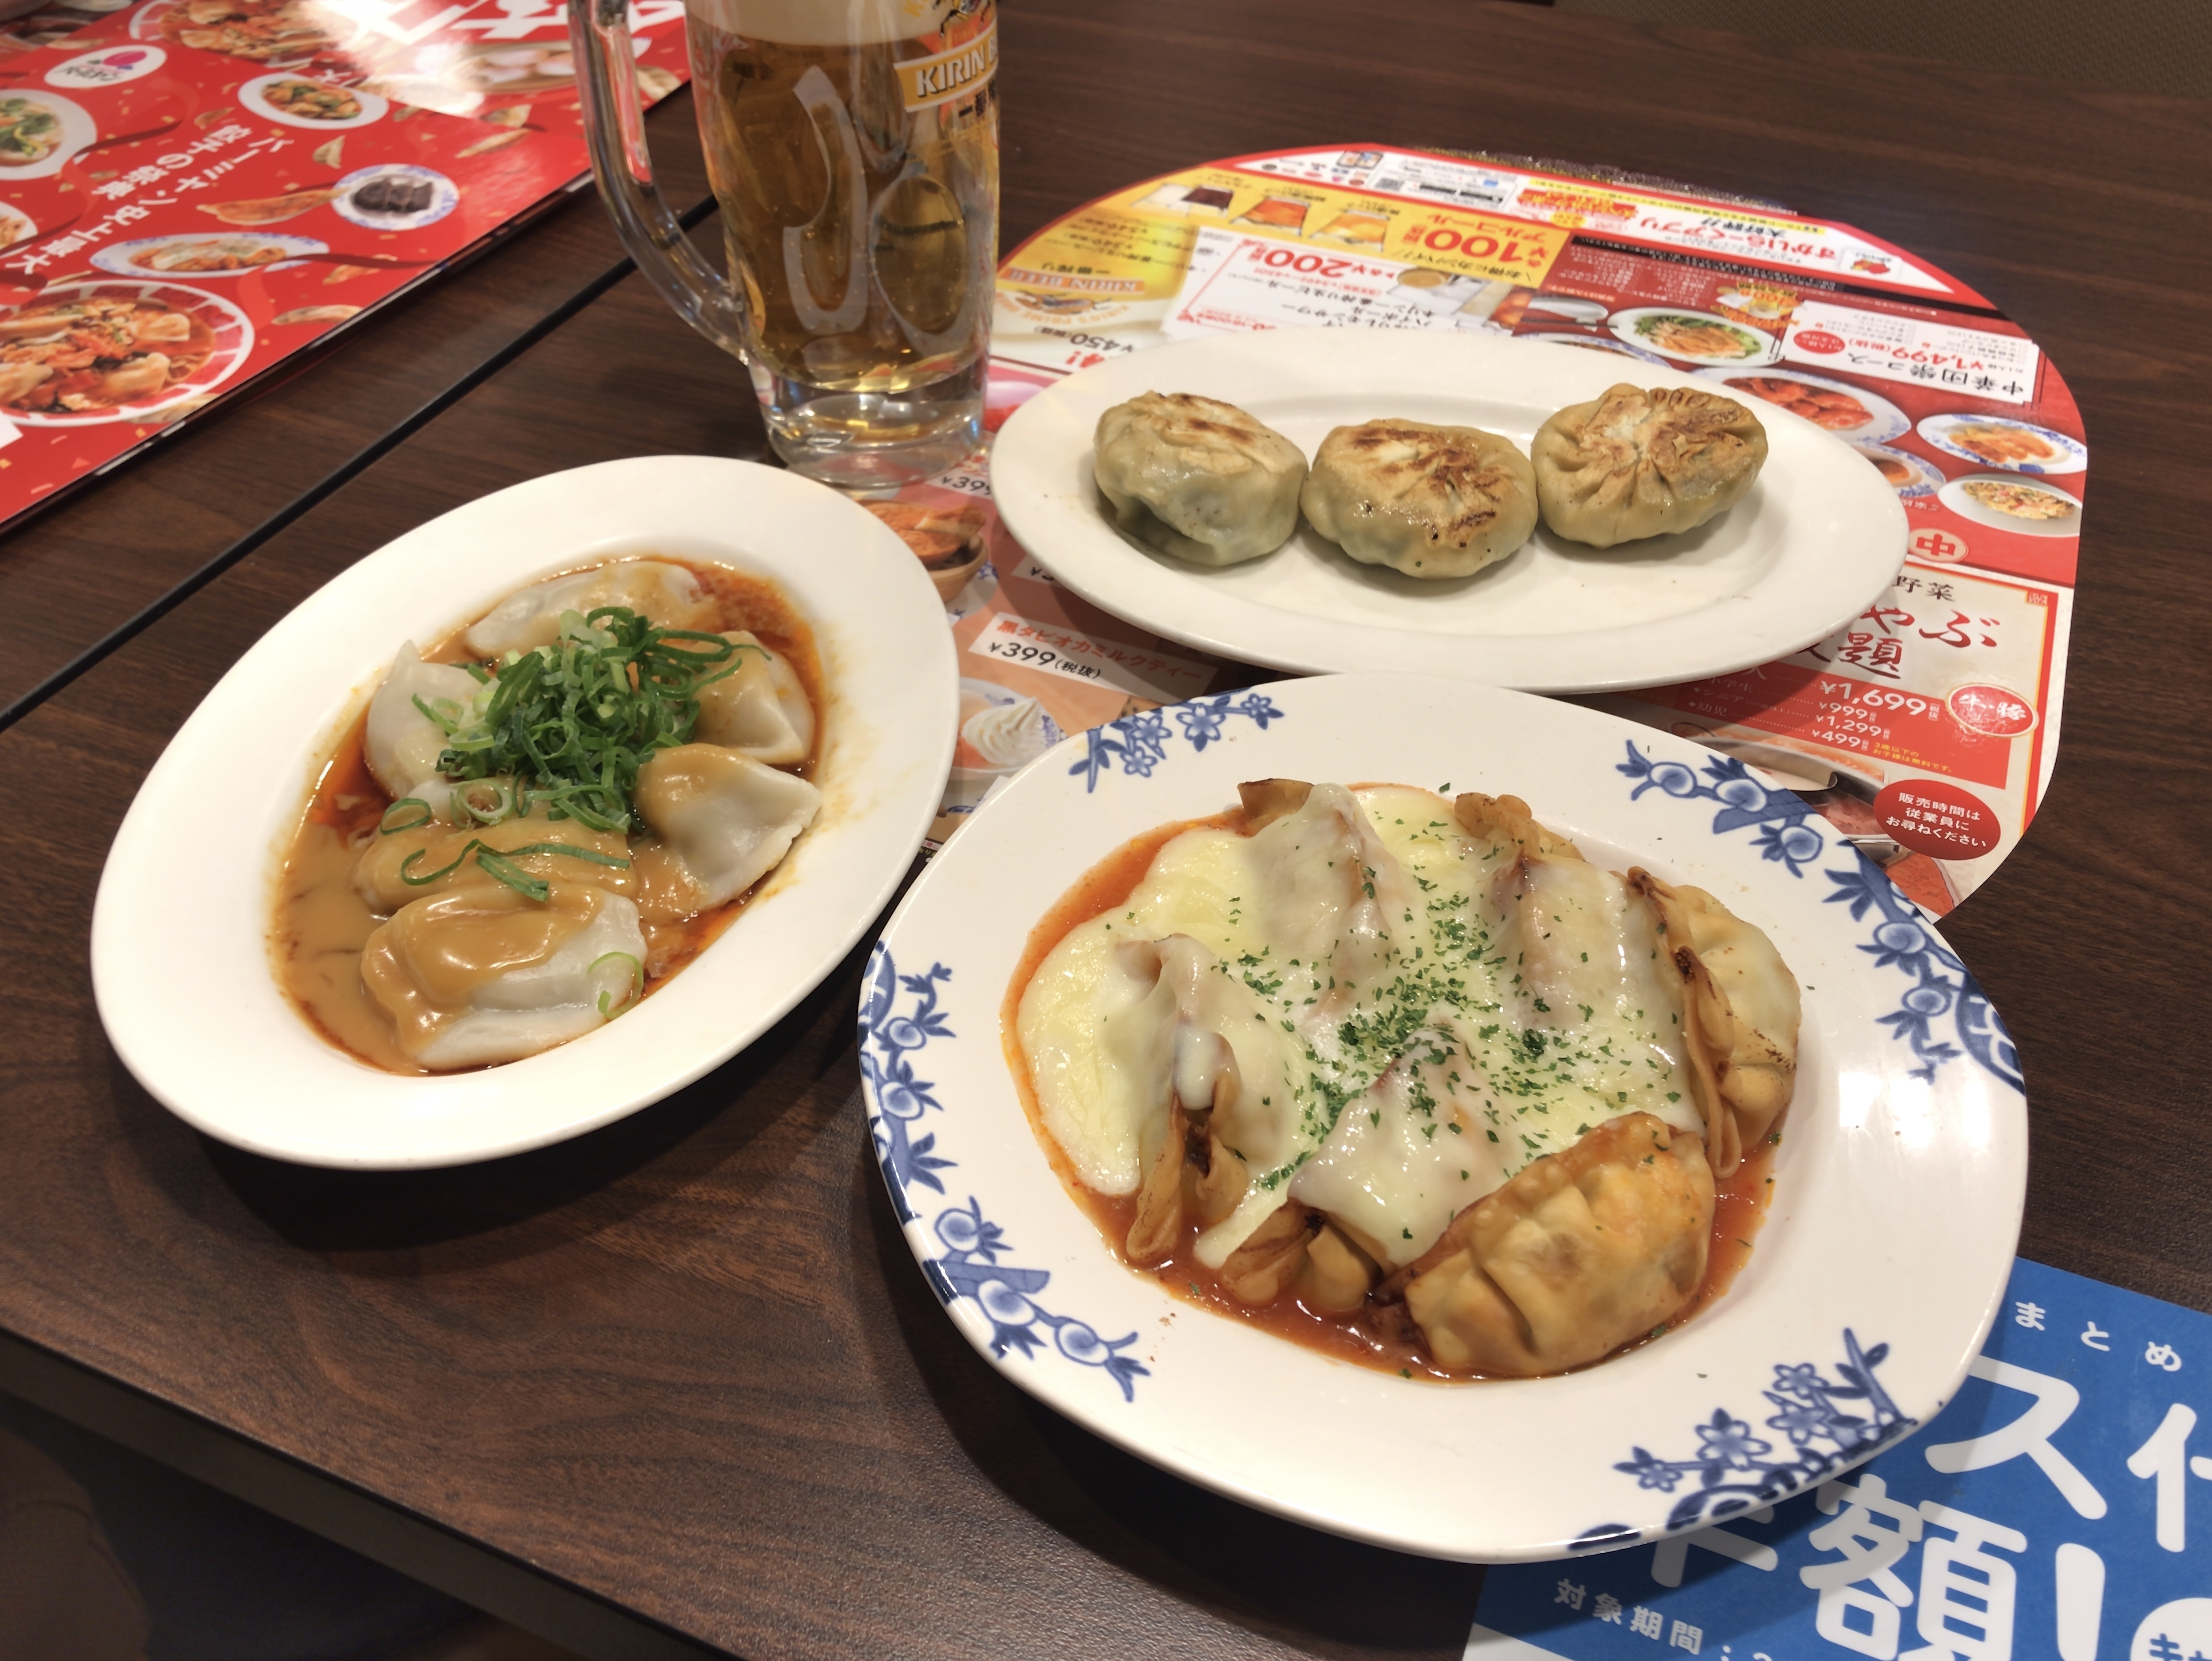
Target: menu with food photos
x,y
1923,730
2049,1511
192,190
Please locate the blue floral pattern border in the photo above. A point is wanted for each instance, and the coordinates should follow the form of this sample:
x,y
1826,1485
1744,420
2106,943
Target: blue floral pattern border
x,y
1786,830
1140,742
1736,1469
970,1267
1733,1469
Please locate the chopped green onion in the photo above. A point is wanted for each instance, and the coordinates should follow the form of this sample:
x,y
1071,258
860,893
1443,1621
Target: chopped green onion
x,y
500,862
406,874
636,982
573,853
574,722
502,809
499,866
385,826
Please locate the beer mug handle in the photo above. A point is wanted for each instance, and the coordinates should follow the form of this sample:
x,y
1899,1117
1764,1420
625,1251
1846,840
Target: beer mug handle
x,y
614,131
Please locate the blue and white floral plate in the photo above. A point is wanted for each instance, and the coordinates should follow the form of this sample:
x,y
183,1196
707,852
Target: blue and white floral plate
x,y
1898,1183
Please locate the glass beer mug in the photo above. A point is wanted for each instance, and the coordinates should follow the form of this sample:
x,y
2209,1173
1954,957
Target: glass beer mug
x,y
853,147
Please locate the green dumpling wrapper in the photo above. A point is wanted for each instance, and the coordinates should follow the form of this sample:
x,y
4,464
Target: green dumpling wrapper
x,y
1197,478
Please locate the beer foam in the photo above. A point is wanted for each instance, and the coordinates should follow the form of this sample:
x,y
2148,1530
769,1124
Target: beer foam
x,y
824,23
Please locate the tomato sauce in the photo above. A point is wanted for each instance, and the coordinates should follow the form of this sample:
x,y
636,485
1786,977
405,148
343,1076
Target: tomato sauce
x,y
1381,1336
321,924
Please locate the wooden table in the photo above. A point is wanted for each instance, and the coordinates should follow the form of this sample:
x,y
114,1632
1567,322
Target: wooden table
x,y
679,1382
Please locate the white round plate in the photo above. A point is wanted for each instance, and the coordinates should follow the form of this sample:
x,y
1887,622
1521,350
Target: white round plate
x,y
2069,455
332,31
1898,1185
181,971
1760,348
1954,496
1884,422
1818,537
445,197
79,131
125,258
254,94
234,345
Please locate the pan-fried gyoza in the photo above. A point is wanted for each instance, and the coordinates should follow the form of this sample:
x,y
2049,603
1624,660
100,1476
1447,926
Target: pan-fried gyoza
x,y
1411,1072
534,825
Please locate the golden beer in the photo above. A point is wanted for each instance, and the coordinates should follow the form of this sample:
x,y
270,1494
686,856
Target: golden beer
x,y
853,148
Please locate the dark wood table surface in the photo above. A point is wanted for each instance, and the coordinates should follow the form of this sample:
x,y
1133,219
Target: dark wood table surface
x,y
680,1384
106,560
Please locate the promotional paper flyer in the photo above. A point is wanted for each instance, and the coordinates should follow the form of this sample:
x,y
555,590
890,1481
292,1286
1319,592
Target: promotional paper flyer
x,y
2048,1511
1924,731
191,190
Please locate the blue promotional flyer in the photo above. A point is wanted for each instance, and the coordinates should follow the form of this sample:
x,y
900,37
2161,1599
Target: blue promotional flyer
x,y
2060,1507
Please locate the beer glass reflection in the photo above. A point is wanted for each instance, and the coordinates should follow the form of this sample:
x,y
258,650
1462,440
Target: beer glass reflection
x,y
852,148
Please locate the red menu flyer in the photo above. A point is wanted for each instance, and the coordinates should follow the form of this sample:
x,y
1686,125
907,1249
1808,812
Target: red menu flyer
x,y
191,190
1923,730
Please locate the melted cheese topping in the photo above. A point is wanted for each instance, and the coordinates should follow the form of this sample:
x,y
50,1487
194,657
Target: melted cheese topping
x,y
1405,1016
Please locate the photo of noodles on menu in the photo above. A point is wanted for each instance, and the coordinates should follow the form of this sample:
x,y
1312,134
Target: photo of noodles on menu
x,y
1924,730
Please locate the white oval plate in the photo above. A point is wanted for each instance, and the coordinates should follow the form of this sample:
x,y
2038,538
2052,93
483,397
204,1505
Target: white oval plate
x,y
1764,347
181,968
1884,422
254,94
1953,495
1818,537
234,345
79,132
1926,477
1899,1182
445,197
123,257
2069,455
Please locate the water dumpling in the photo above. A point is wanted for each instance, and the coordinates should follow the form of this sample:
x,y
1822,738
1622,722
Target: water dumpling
x,y
484,974
402,744
401,866
1430,501
724,822
761,710
665,594
1197,478
1633,464
1740,1012
1579,1253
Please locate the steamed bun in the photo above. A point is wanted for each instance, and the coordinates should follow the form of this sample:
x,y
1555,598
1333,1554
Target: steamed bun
x,y
1197,478
1633,464
1430,501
